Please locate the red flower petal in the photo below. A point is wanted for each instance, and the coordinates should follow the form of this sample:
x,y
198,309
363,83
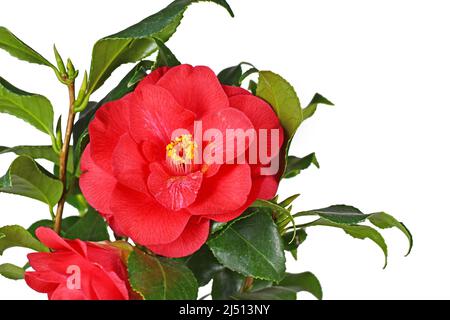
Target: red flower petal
x,y
234,91
96,184
173,192
64,293
227,191
144,220
195,88
154,76
109,124
191,240
156,115
129,166
262,116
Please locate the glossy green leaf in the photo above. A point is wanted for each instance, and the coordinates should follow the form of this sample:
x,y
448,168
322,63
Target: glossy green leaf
x,y
296,165
338,214
293,240
284,100
358,232
91,227
317,100
18,49
11,271
157,278
204,265
26,178
165,57
32,108
38,152
383,220
17,236
231,76
252,247
137,42
226,283
305,281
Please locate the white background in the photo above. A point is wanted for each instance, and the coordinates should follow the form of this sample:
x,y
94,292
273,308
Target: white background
x,y
385,64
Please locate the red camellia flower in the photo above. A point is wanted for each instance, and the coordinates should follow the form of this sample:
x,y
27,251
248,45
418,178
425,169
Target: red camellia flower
x,y
146,181
77,270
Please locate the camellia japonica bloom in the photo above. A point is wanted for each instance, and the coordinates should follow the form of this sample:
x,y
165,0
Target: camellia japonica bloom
x,y
162,162
77,270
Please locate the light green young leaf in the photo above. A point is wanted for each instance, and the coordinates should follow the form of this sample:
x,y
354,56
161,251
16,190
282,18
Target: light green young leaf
x,y
28,179
137,42
11,271
296,165
32,108
310,110
17,236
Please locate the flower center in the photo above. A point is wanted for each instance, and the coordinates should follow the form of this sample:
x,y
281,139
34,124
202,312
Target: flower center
x,y
180,154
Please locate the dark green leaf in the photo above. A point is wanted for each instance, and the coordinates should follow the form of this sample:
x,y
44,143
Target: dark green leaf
x,y
17,236
32,108
338,214
252,86
28,179
18,49
252,247
91,227
231,76
204,265
226,283
293,240
296,165
358,232
318,99
160,279
305,281
383,220
137,42
11,271
284,100
165,57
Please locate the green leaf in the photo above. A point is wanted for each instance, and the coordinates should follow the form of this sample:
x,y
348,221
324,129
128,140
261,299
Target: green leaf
x,y
282,216
157,278
137,42
91,227
38,152
288,201
204,265
11,271
271,293
383,220
296,165
252,247
231,76
32,108
284,100
292,240
65,225
318,99
358,232
26,178
226,284
18,49
305,281
338,214
17,236
165,57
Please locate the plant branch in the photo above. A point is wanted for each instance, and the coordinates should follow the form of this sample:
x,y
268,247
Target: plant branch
x,y
64,156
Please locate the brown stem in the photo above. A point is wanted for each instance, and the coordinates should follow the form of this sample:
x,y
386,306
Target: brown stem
x,y
63,156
